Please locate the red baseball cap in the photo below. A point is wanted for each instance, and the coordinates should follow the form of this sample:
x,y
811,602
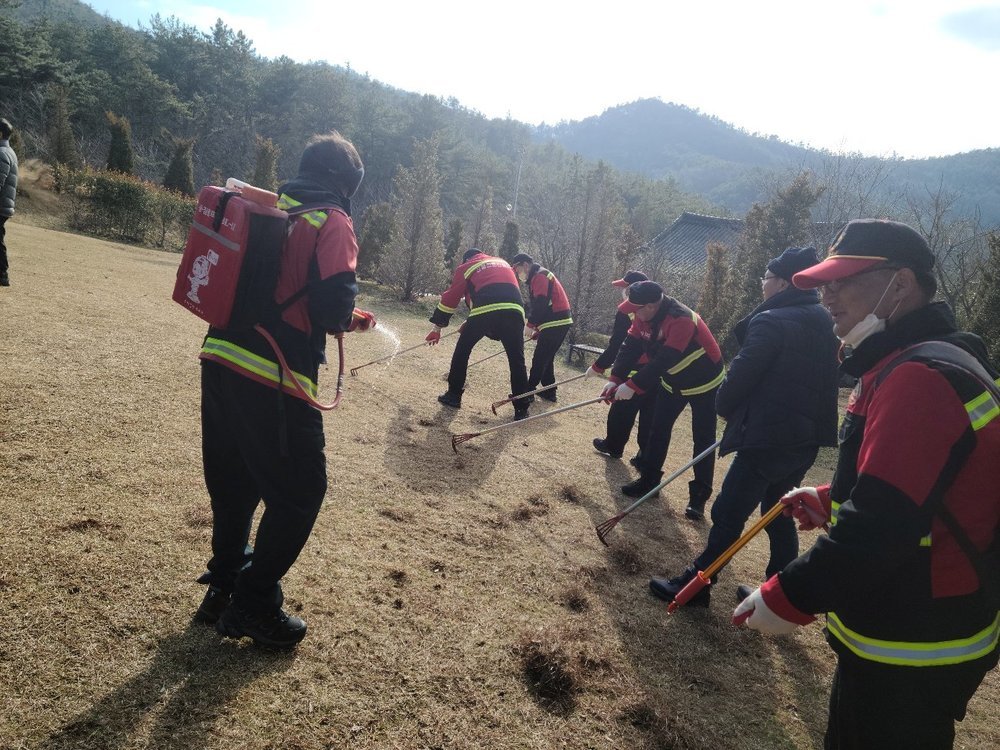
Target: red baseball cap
x,y
629,278
864,243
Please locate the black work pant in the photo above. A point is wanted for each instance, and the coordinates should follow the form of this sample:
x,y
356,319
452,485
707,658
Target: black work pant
x,y
884,707
621,418
749,483
242,455
542,368
505,326
703,422
3,247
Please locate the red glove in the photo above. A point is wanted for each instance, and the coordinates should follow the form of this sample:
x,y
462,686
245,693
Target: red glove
x,y
810,506
434,336
361,320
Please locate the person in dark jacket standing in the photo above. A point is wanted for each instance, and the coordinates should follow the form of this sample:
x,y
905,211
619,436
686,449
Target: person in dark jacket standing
x,y
8,193
261,441
496,311
684,366
779,400
622,414
549,319
903,576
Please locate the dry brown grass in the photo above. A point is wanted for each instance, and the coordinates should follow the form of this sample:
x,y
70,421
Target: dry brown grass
x,y
453,601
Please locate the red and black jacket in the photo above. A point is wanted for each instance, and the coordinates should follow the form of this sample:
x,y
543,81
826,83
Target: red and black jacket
x,y
548,303
684,356
486,283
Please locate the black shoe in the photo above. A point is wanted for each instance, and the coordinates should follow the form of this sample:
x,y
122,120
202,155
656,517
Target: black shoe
x,y
213,605
276,629
694,513
636,460
699,495
742,592
451,399
548,396
520,412
601,446
668,588
4,280
641,486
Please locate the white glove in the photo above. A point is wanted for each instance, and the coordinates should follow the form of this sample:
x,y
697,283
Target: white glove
x,y
528,332
592,373
624,393
608,394
806,506
761,616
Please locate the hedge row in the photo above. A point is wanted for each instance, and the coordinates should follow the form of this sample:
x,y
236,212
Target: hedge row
x,y
125,208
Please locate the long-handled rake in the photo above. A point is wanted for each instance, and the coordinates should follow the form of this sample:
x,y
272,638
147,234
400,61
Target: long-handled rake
x,y
456,439
491,356
508,400
704,578
605,526
354,370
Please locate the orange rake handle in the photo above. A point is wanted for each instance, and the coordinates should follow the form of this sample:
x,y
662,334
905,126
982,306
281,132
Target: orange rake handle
x,y
703,579
495,404
354,370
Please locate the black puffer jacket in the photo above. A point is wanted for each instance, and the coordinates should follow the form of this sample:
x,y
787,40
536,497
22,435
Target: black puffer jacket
x,y
781,389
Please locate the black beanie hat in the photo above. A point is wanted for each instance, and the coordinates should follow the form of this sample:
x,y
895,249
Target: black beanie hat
x,y
470,252
793,260
521,258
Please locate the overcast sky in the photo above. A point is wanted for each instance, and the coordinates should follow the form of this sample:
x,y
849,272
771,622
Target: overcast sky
x,y
909,77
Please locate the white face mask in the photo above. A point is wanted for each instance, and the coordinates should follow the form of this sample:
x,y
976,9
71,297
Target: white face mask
x,y
522,275
869,324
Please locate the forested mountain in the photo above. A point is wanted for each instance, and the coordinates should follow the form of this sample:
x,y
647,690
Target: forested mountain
x,y
727,165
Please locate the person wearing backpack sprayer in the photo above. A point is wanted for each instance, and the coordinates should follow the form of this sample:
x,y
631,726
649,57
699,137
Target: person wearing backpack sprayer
x,y
913,505
260,440
549,319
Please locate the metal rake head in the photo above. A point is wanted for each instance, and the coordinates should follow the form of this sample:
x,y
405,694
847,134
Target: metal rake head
x,y
605,526
495,404
354,370
456,439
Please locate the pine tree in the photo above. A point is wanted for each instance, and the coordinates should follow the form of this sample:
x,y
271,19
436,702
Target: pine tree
x,y
985,321
265,174
509,247
121,157
484,237
180,172
62,144
712,299
453,243
413,261
375,237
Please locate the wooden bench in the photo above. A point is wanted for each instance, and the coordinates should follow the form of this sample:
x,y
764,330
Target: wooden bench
x,y
583,350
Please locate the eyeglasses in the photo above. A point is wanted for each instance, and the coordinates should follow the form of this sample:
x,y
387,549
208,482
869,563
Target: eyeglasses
x,y
833,287
766,277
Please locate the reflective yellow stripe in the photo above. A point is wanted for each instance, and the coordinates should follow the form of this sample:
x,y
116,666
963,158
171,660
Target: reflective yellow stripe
x,y
982,410
705,388
445,309
245,359
315,218
685,362
473,267
925,541
497,306
903,653
556,323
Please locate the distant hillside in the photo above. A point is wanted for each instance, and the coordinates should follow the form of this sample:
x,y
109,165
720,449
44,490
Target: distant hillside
x,y
27,11
726,165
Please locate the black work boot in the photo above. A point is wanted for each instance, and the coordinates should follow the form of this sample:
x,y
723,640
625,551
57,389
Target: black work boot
x,y
275,628
636,460
742,592
699,494
520,412
213,605
642,485
453,400
601,446
4,279
549,395
668,588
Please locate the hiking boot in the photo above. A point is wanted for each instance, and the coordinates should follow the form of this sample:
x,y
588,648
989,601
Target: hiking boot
x,y
213,605
548,395
699,494
276,628
642,485
601,446
520,412
454,400
668,588
742,592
